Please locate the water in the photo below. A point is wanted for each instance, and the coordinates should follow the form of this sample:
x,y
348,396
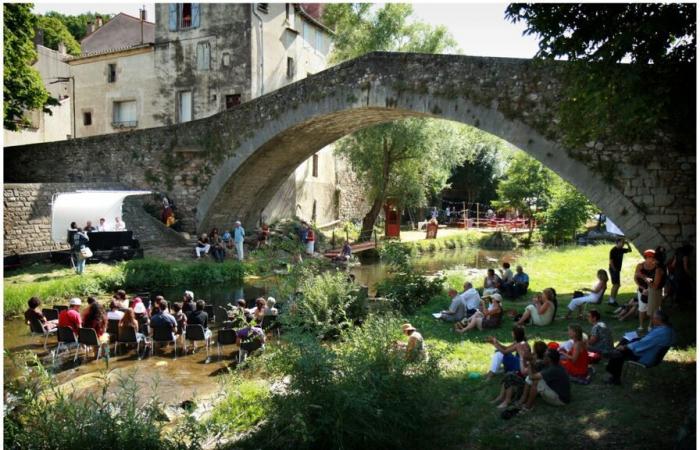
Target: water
x,y
189,375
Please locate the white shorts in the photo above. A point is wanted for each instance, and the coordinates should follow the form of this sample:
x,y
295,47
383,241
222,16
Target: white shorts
x,y
548,395
641,306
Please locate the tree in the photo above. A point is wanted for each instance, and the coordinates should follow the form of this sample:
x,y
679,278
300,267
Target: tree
x,y
566,213
653,93
403,158
23,89
77,25
524,186
55,32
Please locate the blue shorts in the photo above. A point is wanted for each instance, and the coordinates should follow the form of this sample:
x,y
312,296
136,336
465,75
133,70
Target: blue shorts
x,y
511,362
614,275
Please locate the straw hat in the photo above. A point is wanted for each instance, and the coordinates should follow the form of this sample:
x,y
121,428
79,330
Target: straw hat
x,y
407,327
496,297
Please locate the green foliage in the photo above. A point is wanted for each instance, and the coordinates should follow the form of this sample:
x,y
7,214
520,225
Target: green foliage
x,y
40,415
244,406
359,393
143,273
475,180
328,303
55,31
567,213
631,102
397,255
23,89
524,185
409,290
77,25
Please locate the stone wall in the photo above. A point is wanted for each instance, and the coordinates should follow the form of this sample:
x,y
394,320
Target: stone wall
x,y
352,198
27,216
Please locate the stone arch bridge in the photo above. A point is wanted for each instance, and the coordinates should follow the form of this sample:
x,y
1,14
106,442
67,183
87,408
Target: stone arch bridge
x,y
228,166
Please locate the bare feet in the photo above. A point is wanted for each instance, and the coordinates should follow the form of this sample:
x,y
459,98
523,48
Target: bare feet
x,y
503,405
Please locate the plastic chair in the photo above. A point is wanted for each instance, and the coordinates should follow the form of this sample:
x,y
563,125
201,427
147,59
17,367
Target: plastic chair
x,y
164,335
128,336
226,336
196,333
209,309
633,368
87,338
50,313
38,329
66,338
60,308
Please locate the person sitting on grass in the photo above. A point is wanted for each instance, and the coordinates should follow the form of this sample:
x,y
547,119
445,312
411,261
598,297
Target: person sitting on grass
x,y
593,297
202,246
415,350
490,318
491,282
540,312
514,382
519,285
506,276
645,351
575,353
626,311
33,313
552,384
456,310
510,356
471,299
600,340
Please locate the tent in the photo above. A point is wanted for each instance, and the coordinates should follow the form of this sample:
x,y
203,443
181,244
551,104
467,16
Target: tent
x,y
81,206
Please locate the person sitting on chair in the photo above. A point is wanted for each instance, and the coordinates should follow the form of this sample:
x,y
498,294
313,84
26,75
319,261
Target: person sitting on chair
x,y
34,314
188,305
259,311
271,310
129,321
594,297
114,312
159,319
646,350
71,317
97,320
200,317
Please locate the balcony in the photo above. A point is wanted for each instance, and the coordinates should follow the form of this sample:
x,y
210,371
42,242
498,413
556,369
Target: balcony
x,y
126,124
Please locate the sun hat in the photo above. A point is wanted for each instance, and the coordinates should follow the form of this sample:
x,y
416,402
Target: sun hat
x,y
649,252
75,301
408,327
496,297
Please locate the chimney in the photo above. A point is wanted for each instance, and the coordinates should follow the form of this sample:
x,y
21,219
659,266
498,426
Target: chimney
x,y
143,14
98,19
90,27
62,48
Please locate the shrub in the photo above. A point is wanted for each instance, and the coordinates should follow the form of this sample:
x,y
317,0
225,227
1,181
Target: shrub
x,y
147,273
396,255
244,406
408,291
357,394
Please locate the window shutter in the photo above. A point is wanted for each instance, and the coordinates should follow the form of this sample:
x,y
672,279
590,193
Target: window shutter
x,y
172,16
195,15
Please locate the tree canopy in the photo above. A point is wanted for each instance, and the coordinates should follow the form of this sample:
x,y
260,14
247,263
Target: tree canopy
x,y
653,93
55,32
77,25
23,88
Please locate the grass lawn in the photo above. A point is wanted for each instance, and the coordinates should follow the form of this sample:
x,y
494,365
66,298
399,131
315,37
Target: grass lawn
x,y
645,413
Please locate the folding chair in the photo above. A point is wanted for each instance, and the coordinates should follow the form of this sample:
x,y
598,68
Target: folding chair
x,y
87,338
113,329
60,308
38,329
50,313
128,336
209,309
66,338
196,333
633,368
269,323
142,319
164,335
226,336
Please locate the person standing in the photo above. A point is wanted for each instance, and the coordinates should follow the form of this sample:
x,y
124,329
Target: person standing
x,y
310,241
238,237
80,240
644,276
615,267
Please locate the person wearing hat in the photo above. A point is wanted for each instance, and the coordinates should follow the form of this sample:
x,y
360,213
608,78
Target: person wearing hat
x,y
71,317
644,275
414,348
238,236
490,318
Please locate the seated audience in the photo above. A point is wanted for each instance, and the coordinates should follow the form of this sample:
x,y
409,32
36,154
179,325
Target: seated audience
x,y
511,356
415,349
89,228
71,317
600,340
103,225
519,285
271,310
90,301
200,317
160,319
114,312
490,318
630,309
180,318
575,354
202,245
471,299
33,313
120,299
540,312
514,382
259,311
645,351
491,282
552,384
188,305
137,305
97,320
218,250
593,297
129,321
506,276
456,310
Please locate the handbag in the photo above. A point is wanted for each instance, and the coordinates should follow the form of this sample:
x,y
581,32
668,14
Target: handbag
x,y
85,253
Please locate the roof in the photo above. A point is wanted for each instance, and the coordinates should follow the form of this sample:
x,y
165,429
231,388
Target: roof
x,y
312,13
122,31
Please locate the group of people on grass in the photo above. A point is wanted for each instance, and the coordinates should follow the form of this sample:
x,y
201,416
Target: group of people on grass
x,y
216,244
174,317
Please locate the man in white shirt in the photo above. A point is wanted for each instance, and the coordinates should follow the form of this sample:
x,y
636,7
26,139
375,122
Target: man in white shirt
x,y
103,225
456,310
471,299
119,225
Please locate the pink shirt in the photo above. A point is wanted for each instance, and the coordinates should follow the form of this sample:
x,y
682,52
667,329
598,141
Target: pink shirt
x,y
70,318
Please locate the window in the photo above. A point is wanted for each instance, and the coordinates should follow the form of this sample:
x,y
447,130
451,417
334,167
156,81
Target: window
x,y
233,100
226,59
111,73
306,33
182,16
319,40
263,7
186,15
185,106
291,68
314,168
124,114
203,56
87,118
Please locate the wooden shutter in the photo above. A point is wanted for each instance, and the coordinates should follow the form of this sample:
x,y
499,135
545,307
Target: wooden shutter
x,y
195,15
172,17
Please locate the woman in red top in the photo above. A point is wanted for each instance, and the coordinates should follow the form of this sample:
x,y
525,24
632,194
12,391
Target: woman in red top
x,y
575,361
310,241
97,319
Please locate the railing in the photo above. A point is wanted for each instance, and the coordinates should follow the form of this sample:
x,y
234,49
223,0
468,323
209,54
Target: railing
x,y
126,124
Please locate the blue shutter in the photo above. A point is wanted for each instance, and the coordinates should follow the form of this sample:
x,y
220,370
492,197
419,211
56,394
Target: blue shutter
x,y
195,15
172,16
